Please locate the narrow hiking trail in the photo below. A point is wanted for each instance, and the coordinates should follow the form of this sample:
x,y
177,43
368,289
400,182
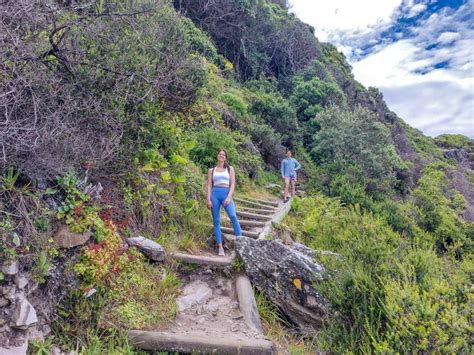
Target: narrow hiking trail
x,y
217,312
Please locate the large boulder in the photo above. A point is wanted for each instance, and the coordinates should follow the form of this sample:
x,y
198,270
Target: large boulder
x,y
287,275
151,249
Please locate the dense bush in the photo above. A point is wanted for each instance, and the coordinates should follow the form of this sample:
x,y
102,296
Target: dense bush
x,y
277,112
391,293
72,80
356,138
438,211
269,143
258,37
453,141
240,154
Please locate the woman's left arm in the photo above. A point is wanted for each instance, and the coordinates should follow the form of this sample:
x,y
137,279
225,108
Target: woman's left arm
x,y
298,165
232,186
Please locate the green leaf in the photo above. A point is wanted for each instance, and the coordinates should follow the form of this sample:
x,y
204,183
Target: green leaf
x,y
2,276
50,191
179,179
178,159
166,177
16,240
163,192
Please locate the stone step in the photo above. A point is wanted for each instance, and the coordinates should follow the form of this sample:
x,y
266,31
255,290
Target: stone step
x,y
202,344
253,203
203,259
263,202
257,210
258,217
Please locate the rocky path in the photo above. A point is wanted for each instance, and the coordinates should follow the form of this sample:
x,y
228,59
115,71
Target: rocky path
x,y
217,310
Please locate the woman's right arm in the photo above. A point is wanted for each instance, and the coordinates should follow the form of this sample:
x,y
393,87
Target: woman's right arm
x,y
209,187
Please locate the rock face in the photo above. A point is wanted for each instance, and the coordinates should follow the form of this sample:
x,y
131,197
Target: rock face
x,y
24,315
64,238
151,249
286,275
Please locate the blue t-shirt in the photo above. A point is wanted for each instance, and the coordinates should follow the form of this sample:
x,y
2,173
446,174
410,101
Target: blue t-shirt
x,y
288,165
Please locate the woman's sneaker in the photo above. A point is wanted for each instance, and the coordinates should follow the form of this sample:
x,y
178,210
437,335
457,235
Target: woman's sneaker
x,y
221,251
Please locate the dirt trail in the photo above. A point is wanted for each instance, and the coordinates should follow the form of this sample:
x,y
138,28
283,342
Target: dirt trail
x,y
208,305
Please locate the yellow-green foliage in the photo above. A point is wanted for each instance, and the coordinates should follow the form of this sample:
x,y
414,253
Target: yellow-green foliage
x,y
453,141
393,292
438,211
141,295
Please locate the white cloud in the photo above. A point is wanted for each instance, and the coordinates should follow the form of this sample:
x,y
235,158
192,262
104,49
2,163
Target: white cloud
x,y
328,17
415,10
433,90
448,37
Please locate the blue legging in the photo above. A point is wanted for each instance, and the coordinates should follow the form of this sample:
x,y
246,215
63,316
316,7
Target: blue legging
x,y
218,196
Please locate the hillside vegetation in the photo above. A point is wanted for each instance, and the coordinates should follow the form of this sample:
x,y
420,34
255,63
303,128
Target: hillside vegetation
x,y
112,112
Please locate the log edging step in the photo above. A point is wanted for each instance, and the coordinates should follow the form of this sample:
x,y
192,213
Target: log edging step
x,y
249,223
203,259
247,202
263,202
247,303
257,210
231,230
258,217
188,343
276,219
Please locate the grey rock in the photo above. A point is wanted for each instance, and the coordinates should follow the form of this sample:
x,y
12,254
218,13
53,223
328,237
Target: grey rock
x,y
64,238
10,267
21,281
14,350
10,293
195,293
4,302
458,155
24,315
151,249
287,276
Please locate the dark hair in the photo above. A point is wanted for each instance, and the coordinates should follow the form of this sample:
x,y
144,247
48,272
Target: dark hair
x,y
226,165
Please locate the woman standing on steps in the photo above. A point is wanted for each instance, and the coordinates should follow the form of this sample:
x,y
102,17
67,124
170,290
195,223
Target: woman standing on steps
x,y
289,166
220,187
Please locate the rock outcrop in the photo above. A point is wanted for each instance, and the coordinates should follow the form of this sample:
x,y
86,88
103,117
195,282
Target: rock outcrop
x,y
287,275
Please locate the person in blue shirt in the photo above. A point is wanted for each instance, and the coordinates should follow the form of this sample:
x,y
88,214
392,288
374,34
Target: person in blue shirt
x,y
289,166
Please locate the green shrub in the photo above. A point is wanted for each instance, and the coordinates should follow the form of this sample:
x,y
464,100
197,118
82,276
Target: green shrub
x,y
210,140
234,102
453,141
436,215
268,142
277,112
357,139
390,293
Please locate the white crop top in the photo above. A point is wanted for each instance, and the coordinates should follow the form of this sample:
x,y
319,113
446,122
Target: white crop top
x,y
221,178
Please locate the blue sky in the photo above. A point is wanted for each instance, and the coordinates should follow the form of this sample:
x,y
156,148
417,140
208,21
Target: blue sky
x,y
420,54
